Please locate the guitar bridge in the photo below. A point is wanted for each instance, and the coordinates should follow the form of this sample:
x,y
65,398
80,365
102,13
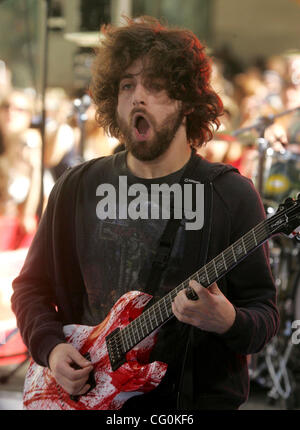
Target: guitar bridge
x,y
115,350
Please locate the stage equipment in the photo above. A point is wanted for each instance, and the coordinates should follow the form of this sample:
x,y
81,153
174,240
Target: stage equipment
x,y
260,126
277,176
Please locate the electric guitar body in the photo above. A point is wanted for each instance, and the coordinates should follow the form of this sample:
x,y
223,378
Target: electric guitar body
x,y
135,376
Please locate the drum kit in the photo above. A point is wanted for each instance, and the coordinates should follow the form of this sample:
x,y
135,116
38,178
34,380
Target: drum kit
x,y
276,177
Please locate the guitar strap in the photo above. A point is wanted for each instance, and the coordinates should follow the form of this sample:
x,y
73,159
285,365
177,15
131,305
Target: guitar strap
x,y
167,239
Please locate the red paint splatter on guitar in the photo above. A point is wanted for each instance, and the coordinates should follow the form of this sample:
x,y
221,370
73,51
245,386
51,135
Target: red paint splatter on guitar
x,y
113,388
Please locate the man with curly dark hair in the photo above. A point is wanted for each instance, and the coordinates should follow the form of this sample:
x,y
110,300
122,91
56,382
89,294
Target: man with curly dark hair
x,y
151,88
172,59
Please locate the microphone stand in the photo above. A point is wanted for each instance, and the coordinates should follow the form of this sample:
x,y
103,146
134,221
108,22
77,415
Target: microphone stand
x,y
269,120
43,93
260,126
80,106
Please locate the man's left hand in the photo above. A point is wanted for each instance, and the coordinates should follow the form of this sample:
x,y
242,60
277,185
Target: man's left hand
x,y
211,312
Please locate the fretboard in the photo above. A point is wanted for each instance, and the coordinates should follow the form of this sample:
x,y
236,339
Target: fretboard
x,y
161,311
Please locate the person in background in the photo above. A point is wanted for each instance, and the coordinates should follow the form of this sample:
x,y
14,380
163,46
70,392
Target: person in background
x,y
63,134
61,147
97,143
20,170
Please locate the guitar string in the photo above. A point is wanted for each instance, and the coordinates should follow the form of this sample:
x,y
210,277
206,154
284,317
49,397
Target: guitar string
x,y
210,270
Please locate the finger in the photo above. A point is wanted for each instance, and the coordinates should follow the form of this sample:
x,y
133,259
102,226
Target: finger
x,y
73,386
75,357
183,307
75,374
77,389
84,389
183,303
188,318
214,289
67,368
199,290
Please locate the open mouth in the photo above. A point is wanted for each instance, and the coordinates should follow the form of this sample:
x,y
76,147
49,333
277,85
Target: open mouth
x,y
141,127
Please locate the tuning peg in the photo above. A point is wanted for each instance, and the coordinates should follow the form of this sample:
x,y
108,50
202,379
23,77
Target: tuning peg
x,y
286,204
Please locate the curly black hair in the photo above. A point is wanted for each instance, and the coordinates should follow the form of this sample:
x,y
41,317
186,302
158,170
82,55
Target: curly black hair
x,y
174,55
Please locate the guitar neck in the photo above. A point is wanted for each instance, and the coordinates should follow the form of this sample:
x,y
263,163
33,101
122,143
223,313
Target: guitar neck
x,y
161,311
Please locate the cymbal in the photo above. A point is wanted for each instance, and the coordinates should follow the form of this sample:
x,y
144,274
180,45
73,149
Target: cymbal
x,y
86,39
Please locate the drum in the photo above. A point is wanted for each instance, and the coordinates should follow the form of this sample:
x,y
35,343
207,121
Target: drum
x,y
281,176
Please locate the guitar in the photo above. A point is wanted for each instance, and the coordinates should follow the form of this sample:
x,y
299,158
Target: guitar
x,y
119,347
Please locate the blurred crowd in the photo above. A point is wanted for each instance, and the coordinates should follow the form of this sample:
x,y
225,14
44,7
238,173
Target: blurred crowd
x,y
251,98
254,103
71,136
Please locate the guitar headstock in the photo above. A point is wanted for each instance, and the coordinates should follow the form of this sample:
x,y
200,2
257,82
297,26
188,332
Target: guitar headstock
x,y
287,218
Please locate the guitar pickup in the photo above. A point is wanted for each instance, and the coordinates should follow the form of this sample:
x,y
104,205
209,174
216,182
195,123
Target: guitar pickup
x,y
114,348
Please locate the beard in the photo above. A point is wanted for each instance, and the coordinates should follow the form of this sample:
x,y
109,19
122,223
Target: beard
x,y
153,148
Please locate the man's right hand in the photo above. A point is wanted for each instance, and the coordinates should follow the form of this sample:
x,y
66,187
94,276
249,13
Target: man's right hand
x,y
62,360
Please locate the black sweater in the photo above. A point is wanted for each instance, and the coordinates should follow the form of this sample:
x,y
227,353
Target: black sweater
x,y
51,290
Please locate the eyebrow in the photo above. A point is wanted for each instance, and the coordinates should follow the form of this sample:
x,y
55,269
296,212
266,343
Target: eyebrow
x,y
127,76
130,75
